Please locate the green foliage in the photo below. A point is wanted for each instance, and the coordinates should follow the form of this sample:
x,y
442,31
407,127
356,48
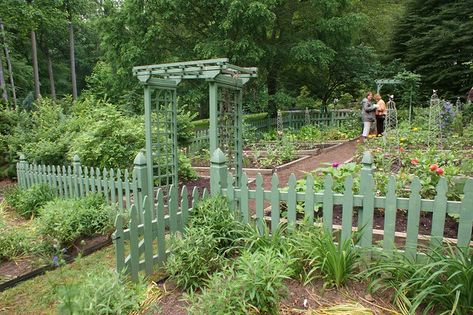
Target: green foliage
x,y
320,257
18,241
63,221
277,153
428,35
214,213
253,285
100,292
442,284
27,202
194,258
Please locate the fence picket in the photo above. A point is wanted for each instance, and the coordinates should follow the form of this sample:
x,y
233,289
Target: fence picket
x,y
134,240
291,202
390,210
98,183
205,194
347,212
195,197
92,180
466,216
184,207
172,207
118,239
275,203
148,235
160,235
367,187
54,180
120,190
59,180
328,203
111,185
244,198
230,191
127,189
86,181
105,185
439,213
259,203
413,218
309,199
80,181
70,186
64,181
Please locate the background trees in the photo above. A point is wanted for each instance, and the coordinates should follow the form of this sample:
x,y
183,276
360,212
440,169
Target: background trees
x,y
317,50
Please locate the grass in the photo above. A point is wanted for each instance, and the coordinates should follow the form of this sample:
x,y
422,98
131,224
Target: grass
x,y
39,295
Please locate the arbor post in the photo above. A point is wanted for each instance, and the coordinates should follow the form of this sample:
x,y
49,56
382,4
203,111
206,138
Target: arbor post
x,y
218,172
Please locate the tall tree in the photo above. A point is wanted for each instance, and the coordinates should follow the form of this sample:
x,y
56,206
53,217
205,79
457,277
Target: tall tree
x,y
7,57
434,40
3,86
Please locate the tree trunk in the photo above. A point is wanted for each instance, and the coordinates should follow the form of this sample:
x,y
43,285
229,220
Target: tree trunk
x,y
73,60
10,70
51,74
37,93
3,87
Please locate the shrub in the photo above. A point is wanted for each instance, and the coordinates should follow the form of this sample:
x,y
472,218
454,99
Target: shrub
x,y
194,258
27,202
101,293
442,284
66,220
254,284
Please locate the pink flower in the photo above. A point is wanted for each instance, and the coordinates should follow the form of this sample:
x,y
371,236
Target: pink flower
x,y
414,161
440,171
335,164
434,167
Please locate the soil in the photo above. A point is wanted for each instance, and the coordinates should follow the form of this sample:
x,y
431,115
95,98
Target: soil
x,y
173,301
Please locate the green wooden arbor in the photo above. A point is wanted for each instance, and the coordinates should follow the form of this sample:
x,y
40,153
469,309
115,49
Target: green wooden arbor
x,y
160,83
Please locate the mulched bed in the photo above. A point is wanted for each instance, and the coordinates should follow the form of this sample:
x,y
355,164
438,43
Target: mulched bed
x,y
173,301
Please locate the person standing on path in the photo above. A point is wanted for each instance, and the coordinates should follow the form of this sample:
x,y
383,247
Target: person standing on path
x,y
380,114
367,114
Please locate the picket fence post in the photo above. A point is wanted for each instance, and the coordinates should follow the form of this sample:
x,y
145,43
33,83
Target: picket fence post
x,y
218,172
141,177
21,171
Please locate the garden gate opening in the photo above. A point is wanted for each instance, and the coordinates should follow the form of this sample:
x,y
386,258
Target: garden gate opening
x,y
160,83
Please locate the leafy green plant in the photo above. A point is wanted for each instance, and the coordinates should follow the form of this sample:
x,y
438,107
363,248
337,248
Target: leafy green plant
x,y
215,214
322,257
194,258
254,284
443,283
65,220
100,292
18,241
27,202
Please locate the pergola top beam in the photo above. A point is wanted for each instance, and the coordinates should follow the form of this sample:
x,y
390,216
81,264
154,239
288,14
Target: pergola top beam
x,y
200,69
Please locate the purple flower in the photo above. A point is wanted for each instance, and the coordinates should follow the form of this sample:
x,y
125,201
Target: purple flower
x,y
56,261
335,164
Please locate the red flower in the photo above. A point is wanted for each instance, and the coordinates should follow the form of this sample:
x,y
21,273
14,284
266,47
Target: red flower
x,y
401,150
434,167
440,171
414,161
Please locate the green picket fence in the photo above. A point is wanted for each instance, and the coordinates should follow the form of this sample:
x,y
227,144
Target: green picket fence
x,y
140,242
365,200
119,188
291,119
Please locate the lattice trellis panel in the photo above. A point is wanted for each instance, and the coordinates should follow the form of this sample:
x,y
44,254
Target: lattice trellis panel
x,y
391,134
164,137
229,128
435,112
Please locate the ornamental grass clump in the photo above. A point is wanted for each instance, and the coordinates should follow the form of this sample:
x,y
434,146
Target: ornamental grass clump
x,y
441,283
